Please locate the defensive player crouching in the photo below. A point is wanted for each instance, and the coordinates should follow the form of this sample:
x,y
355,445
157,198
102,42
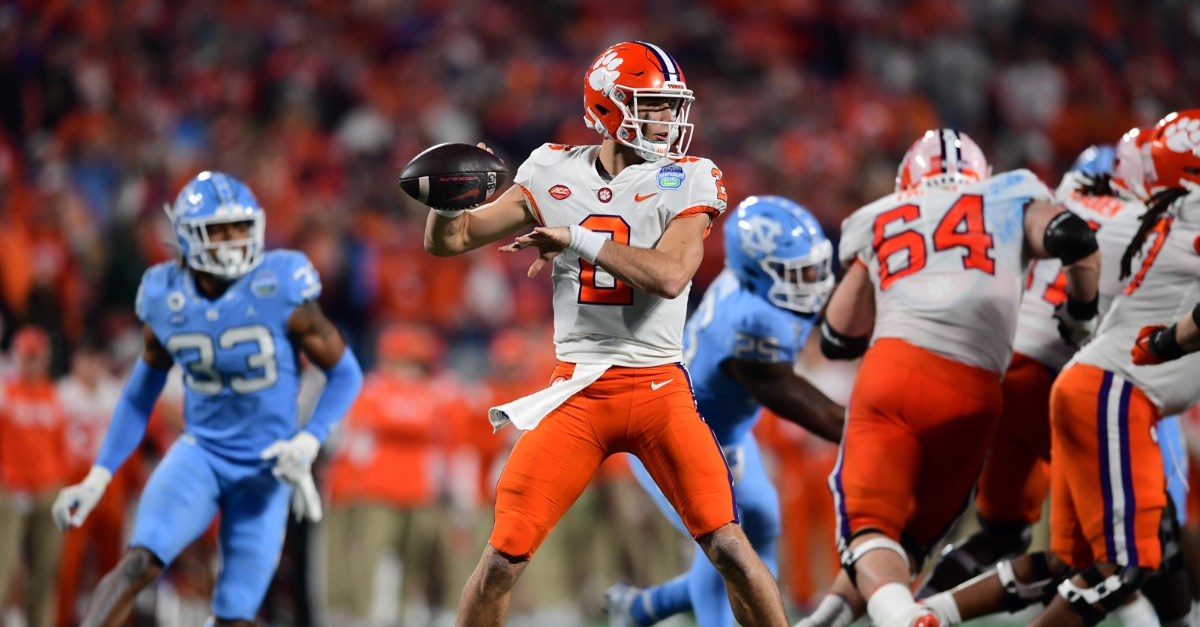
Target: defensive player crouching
x,y
622,225
1107,493
739,347
935,275
233,317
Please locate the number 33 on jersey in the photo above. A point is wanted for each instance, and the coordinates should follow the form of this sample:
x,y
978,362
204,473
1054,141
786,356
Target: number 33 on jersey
x,y
562,187
947,264
234,351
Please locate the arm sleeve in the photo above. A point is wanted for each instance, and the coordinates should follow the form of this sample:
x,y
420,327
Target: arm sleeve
x,y
342,384
129,420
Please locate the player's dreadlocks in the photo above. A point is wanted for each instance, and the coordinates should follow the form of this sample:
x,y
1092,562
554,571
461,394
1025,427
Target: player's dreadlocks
x,y
1155,208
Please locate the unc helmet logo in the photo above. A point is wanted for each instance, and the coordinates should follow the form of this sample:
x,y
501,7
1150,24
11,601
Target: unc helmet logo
x,y
758,235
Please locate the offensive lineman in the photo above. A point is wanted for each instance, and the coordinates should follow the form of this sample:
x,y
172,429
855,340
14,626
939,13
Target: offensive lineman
x,y
1104,413
934,275
622,225
739,347
233,316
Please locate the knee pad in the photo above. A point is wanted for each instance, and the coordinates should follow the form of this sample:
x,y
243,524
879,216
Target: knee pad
x,y
851,556
1017,594
1102,594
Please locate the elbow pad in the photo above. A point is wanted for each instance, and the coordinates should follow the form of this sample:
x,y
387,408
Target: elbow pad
x,y
834,345
1069,238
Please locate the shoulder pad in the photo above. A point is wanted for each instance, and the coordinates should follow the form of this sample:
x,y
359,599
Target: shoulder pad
x,y
156,282
290,273
705,182
1016,185
857,231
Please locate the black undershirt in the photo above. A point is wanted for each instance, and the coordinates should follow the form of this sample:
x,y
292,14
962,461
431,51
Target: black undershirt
x,y
602,172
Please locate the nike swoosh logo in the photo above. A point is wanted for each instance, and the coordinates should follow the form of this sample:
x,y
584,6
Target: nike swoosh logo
x,y
655,386
640,198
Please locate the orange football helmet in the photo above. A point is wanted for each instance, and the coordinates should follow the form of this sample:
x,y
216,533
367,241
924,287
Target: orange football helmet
x,y
1129,169
941,159
1174,150
614,83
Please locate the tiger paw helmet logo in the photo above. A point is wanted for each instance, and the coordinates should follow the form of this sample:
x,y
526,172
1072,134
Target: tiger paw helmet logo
x,y
758,235
604,72
1183,135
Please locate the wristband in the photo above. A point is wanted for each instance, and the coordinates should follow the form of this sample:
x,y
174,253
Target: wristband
x,y
586,243
1083,311
449,213
1196,315
835,345
1163,344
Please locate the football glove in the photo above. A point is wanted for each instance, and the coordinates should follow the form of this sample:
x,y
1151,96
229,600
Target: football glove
x,y
74,503
1074,331
293,465
1156,345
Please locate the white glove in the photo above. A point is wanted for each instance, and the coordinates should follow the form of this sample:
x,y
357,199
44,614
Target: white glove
x,y
1073,332
81,497
293,465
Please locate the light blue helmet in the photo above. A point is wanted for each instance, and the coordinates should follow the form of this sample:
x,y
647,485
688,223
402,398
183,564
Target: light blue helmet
x,y
216,198
1096,160
778,249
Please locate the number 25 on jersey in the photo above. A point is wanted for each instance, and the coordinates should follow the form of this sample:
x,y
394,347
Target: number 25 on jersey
x,y
962,227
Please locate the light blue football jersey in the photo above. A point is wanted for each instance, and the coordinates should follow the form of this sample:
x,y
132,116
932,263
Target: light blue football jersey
x,y
241,371
734,323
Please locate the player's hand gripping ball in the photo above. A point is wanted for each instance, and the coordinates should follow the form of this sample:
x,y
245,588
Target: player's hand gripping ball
x,y
453,176
1142,351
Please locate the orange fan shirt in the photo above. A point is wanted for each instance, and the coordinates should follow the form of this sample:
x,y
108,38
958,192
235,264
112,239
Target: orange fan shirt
x,y
32,437
392,442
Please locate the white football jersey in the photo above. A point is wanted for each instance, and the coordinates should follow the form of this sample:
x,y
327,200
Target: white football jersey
x,y
1165,285
598,319
947,265
1115,219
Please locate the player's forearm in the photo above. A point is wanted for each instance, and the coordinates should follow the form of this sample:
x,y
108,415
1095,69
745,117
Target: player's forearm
x,y
649,270
1083,278
449,236
446,237
1187,331
800,403
132,414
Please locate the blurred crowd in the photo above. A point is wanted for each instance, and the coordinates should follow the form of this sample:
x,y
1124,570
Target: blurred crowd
x,y
107,107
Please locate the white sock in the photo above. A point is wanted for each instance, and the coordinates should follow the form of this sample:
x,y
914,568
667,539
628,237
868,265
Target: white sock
x,y
834,611
892,605
1137,613
946,608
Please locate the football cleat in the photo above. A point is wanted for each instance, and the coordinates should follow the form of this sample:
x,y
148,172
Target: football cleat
x,y
618,603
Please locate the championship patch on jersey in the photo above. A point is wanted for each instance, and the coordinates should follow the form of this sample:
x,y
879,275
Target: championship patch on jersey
x,y
560,191
265,285
671,176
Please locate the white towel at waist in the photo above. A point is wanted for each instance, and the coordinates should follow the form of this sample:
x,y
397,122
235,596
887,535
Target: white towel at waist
x,y
526,412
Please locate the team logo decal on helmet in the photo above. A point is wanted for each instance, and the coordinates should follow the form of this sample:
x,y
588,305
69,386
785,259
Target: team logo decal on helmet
x,y
1173,151
623,76
778,249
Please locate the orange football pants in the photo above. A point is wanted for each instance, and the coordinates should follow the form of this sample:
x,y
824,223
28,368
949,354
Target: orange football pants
x,y
917,433
1016,475
649,412
1107,486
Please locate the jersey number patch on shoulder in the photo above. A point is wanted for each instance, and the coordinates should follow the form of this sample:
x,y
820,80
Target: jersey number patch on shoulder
x,y
202,375
962,227
591,292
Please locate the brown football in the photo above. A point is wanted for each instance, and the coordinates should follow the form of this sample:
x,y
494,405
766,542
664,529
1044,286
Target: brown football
x,y
453,176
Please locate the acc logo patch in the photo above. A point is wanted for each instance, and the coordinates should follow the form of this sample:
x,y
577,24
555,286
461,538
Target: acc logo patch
x,y
758,235
605,194
560,191
670,177
176,301
265,285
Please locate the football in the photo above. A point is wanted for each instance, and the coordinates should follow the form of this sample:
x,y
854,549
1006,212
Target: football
x,y
453,176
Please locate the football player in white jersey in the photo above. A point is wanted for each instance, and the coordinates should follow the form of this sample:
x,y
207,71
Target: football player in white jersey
x,y
934,283
1104,187
1108,497
622,226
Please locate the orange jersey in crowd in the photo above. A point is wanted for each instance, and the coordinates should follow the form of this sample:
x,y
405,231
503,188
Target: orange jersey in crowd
x,y
32,437
393,438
